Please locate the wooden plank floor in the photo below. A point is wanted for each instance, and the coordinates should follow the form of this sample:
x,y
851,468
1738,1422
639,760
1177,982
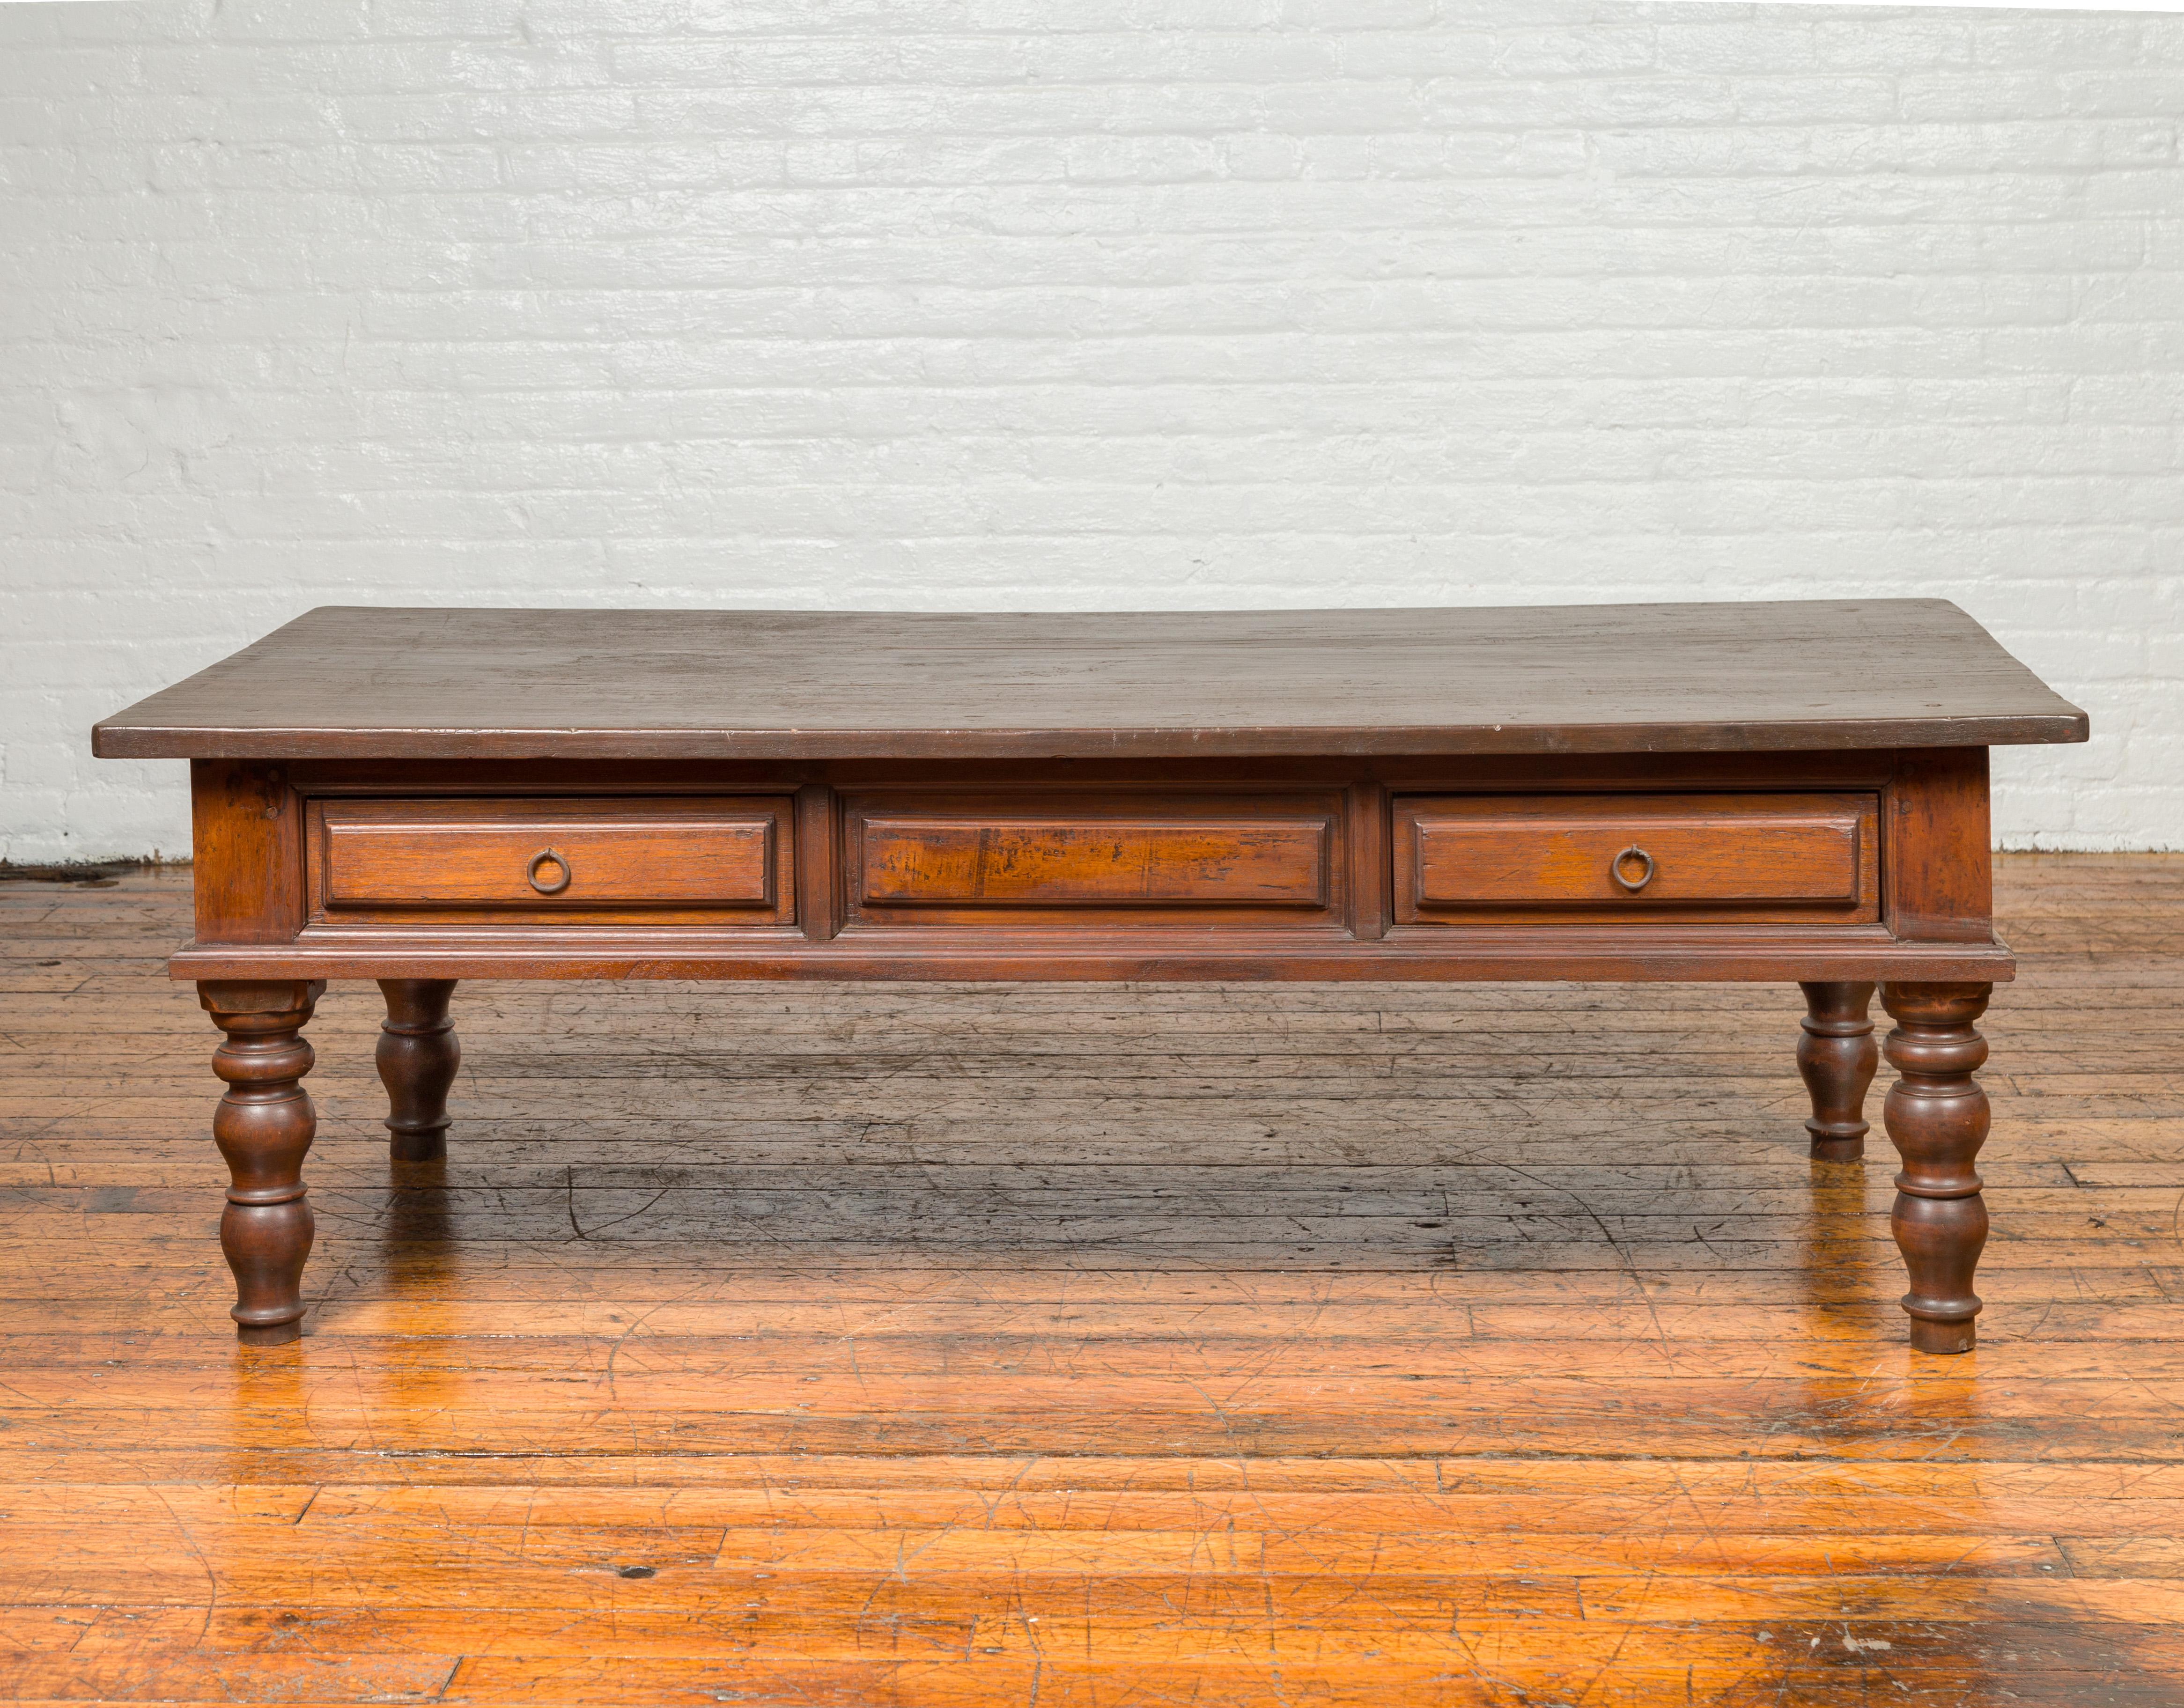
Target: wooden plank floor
x,y
1077,1346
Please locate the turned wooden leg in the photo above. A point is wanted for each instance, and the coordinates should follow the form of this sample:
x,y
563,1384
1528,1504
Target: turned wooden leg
x,y
1936,1115
263,1127
1837,1056
417,1056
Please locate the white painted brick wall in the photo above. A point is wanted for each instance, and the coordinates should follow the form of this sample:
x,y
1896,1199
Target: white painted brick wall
x,y
1082,303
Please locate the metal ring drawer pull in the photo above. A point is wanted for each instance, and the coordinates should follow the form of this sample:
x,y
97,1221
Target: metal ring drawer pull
x,y
555,857
1615,868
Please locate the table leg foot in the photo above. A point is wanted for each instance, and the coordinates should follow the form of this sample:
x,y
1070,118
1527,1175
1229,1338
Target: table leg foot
x,y
418,1055
1837,1057
1936,1115
263,1126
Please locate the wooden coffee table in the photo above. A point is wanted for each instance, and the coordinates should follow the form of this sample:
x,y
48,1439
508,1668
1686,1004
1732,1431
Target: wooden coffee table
x,y
1747,791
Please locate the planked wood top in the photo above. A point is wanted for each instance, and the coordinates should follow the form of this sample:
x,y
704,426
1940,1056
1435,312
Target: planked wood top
x,y
346,681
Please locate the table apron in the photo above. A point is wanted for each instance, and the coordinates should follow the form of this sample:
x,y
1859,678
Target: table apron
x,y
1729,866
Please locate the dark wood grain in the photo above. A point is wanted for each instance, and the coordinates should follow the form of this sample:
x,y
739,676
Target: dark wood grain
x,y
247,846
696,858
1937,1117
1837,1059
1775,857
1349,938
1612,794
1372,876
1937,837
1088,860
1414,774
264,1128
1174,859
406,944
452,683
418,1057
1406,954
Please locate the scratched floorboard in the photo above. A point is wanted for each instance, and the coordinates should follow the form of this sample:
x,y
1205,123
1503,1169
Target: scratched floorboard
x,y
1094,1347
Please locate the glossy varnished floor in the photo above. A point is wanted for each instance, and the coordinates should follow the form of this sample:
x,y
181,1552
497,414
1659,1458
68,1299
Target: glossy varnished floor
x,y
1089,1345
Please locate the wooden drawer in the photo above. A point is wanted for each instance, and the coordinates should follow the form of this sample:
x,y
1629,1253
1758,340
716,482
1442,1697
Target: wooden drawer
x,y
1062,860
1777,858
650,861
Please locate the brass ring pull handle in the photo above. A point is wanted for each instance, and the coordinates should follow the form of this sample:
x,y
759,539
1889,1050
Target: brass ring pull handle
x,y
550,857
1632,852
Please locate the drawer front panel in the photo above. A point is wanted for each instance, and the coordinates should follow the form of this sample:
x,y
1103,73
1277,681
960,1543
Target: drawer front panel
x,y
1783,859
1062,860
658,860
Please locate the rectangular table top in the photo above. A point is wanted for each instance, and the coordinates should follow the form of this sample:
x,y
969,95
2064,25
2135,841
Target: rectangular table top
x,y
348,682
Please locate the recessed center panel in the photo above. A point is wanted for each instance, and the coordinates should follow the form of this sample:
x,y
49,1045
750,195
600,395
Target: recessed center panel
x,y
1058,860
711,860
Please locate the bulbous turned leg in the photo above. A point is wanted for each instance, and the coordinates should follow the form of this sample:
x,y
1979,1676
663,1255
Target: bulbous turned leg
x,y
418,1055
1837,1057
263,1126
1936,1115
